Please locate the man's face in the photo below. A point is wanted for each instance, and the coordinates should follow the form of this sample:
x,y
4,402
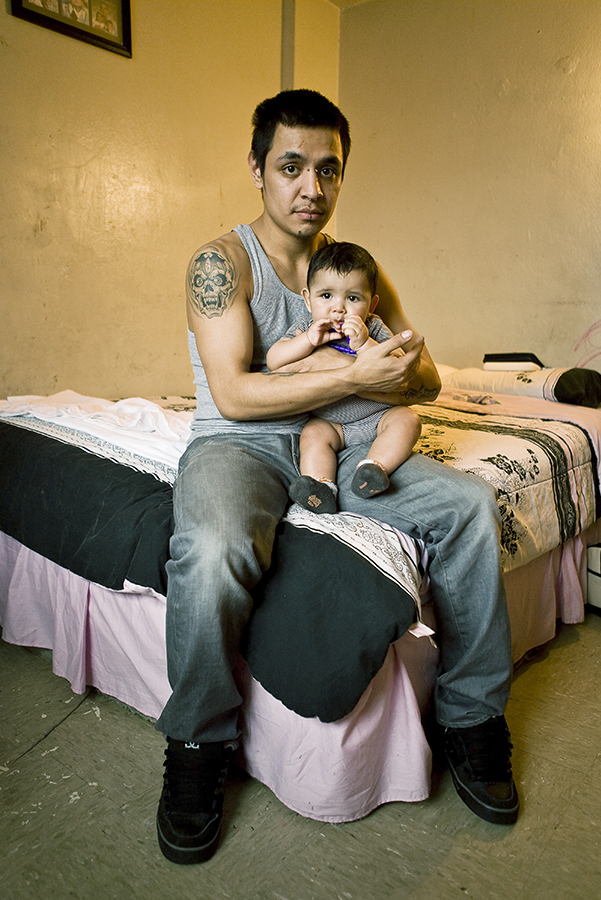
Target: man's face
x,y
302,179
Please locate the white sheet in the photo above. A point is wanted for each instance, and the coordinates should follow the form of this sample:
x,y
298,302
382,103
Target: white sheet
x,y
135,432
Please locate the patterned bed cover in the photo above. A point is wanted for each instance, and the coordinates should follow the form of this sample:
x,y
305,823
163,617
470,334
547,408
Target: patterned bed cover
x,y
111,503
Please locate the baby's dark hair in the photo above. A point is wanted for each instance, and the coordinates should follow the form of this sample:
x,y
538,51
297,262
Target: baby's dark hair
x,y
344,258
300,108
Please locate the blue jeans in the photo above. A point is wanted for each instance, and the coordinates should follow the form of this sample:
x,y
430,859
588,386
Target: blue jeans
x,y
229,496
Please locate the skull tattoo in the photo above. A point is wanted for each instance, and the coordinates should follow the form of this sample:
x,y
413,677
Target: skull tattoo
x,y
212,278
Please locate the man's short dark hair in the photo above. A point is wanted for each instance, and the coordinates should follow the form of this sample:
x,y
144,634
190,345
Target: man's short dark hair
x,y
296,109
344,258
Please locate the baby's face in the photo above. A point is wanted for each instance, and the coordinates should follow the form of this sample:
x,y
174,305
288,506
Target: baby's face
x,y
335,297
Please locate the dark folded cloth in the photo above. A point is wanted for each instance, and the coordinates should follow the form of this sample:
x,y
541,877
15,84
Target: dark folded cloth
x,y
324,616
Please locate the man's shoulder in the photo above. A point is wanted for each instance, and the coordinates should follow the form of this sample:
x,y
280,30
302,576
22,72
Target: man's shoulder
x,y
228,246
224,254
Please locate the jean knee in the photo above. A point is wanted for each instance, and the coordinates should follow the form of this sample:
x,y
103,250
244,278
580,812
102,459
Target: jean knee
x,y
480,498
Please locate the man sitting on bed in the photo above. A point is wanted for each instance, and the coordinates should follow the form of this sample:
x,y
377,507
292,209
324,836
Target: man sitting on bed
x,y
243,292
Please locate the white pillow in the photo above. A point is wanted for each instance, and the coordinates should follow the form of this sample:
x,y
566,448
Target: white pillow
x,y
576,386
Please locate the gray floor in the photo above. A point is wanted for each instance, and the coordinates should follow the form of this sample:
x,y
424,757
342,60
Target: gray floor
x,y
79,783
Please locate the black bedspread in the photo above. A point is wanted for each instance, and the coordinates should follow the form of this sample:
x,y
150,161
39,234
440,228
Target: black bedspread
x,y
106,522
324,617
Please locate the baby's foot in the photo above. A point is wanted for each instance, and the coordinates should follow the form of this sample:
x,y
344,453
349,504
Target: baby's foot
x,y
313,495
370,478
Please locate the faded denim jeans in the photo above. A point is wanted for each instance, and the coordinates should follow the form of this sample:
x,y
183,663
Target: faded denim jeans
x,y
229,496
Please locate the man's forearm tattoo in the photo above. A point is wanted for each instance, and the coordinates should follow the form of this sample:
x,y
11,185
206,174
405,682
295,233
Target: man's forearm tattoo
x,y
212,283
421,393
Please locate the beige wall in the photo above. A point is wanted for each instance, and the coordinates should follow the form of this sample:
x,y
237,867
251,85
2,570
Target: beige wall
x,y
317,33
475,174
114,171
474,177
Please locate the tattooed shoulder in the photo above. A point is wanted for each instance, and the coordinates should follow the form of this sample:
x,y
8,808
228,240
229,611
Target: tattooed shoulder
x,y
212,282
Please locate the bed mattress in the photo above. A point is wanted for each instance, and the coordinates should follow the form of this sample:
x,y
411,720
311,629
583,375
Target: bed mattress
x,y
61,494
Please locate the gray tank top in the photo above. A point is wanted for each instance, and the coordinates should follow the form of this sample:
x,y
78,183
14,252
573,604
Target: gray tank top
x,y
273,308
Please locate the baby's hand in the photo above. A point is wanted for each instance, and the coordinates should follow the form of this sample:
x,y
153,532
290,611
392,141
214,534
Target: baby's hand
x,y
356,330
322,332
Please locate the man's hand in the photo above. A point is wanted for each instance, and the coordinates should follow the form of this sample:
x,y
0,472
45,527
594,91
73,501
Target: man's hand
x,y
384,368
380,368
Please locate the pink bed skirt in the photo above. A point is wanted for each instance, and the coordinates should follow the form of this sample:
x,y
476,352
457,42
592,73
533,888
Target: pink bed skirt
x,y
333,772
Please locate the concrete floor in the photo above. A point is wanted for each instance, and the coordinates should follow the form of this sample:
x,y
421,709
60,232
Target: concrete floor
x,y
80,780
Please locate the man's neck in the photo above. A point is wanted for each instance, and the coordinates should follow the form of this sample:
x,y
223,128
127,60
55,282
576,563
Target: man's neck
x,y
289,254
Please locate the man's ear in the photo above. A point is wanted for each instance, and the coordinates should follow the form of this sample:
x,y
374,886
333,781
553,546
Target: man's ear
x,y
255,171
374,302
306,298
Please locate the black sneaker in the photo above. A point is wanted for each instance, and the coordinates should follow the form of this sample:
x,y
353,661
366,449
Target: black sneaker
x,y
479,758
191,805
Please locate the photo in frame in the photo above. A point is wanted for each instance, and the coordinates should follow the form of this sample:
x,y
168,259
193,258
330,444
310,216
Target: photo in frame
x,y
105,23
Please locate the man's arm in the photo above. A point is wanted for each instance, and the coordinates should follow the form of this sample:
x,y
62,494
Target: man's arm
x,y
423,383
219,289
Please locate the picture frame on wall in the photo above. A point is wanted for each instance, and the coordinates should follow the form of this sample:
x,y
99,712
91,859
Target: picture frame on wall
x,y
105,23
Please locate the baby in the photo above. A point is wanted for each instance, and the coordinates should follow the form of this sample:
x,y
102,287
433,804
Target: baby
x,y
341,297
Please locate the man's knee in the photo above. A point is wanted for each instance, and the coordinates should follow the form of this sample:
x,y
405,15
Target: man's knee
x,y
478,496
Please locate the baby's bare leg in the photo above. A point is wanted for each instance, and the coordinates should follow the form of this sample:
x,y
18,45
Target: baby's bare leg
x,y
398,431
320,441
316,488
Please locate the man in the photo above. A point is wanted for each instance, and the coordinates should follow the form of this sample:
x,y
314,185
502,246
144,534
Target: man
x,y
78,10
243,292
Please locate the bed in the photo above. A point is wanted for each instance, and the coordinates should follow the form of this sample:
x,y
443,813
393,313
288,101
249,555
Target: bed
x,y
336,682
